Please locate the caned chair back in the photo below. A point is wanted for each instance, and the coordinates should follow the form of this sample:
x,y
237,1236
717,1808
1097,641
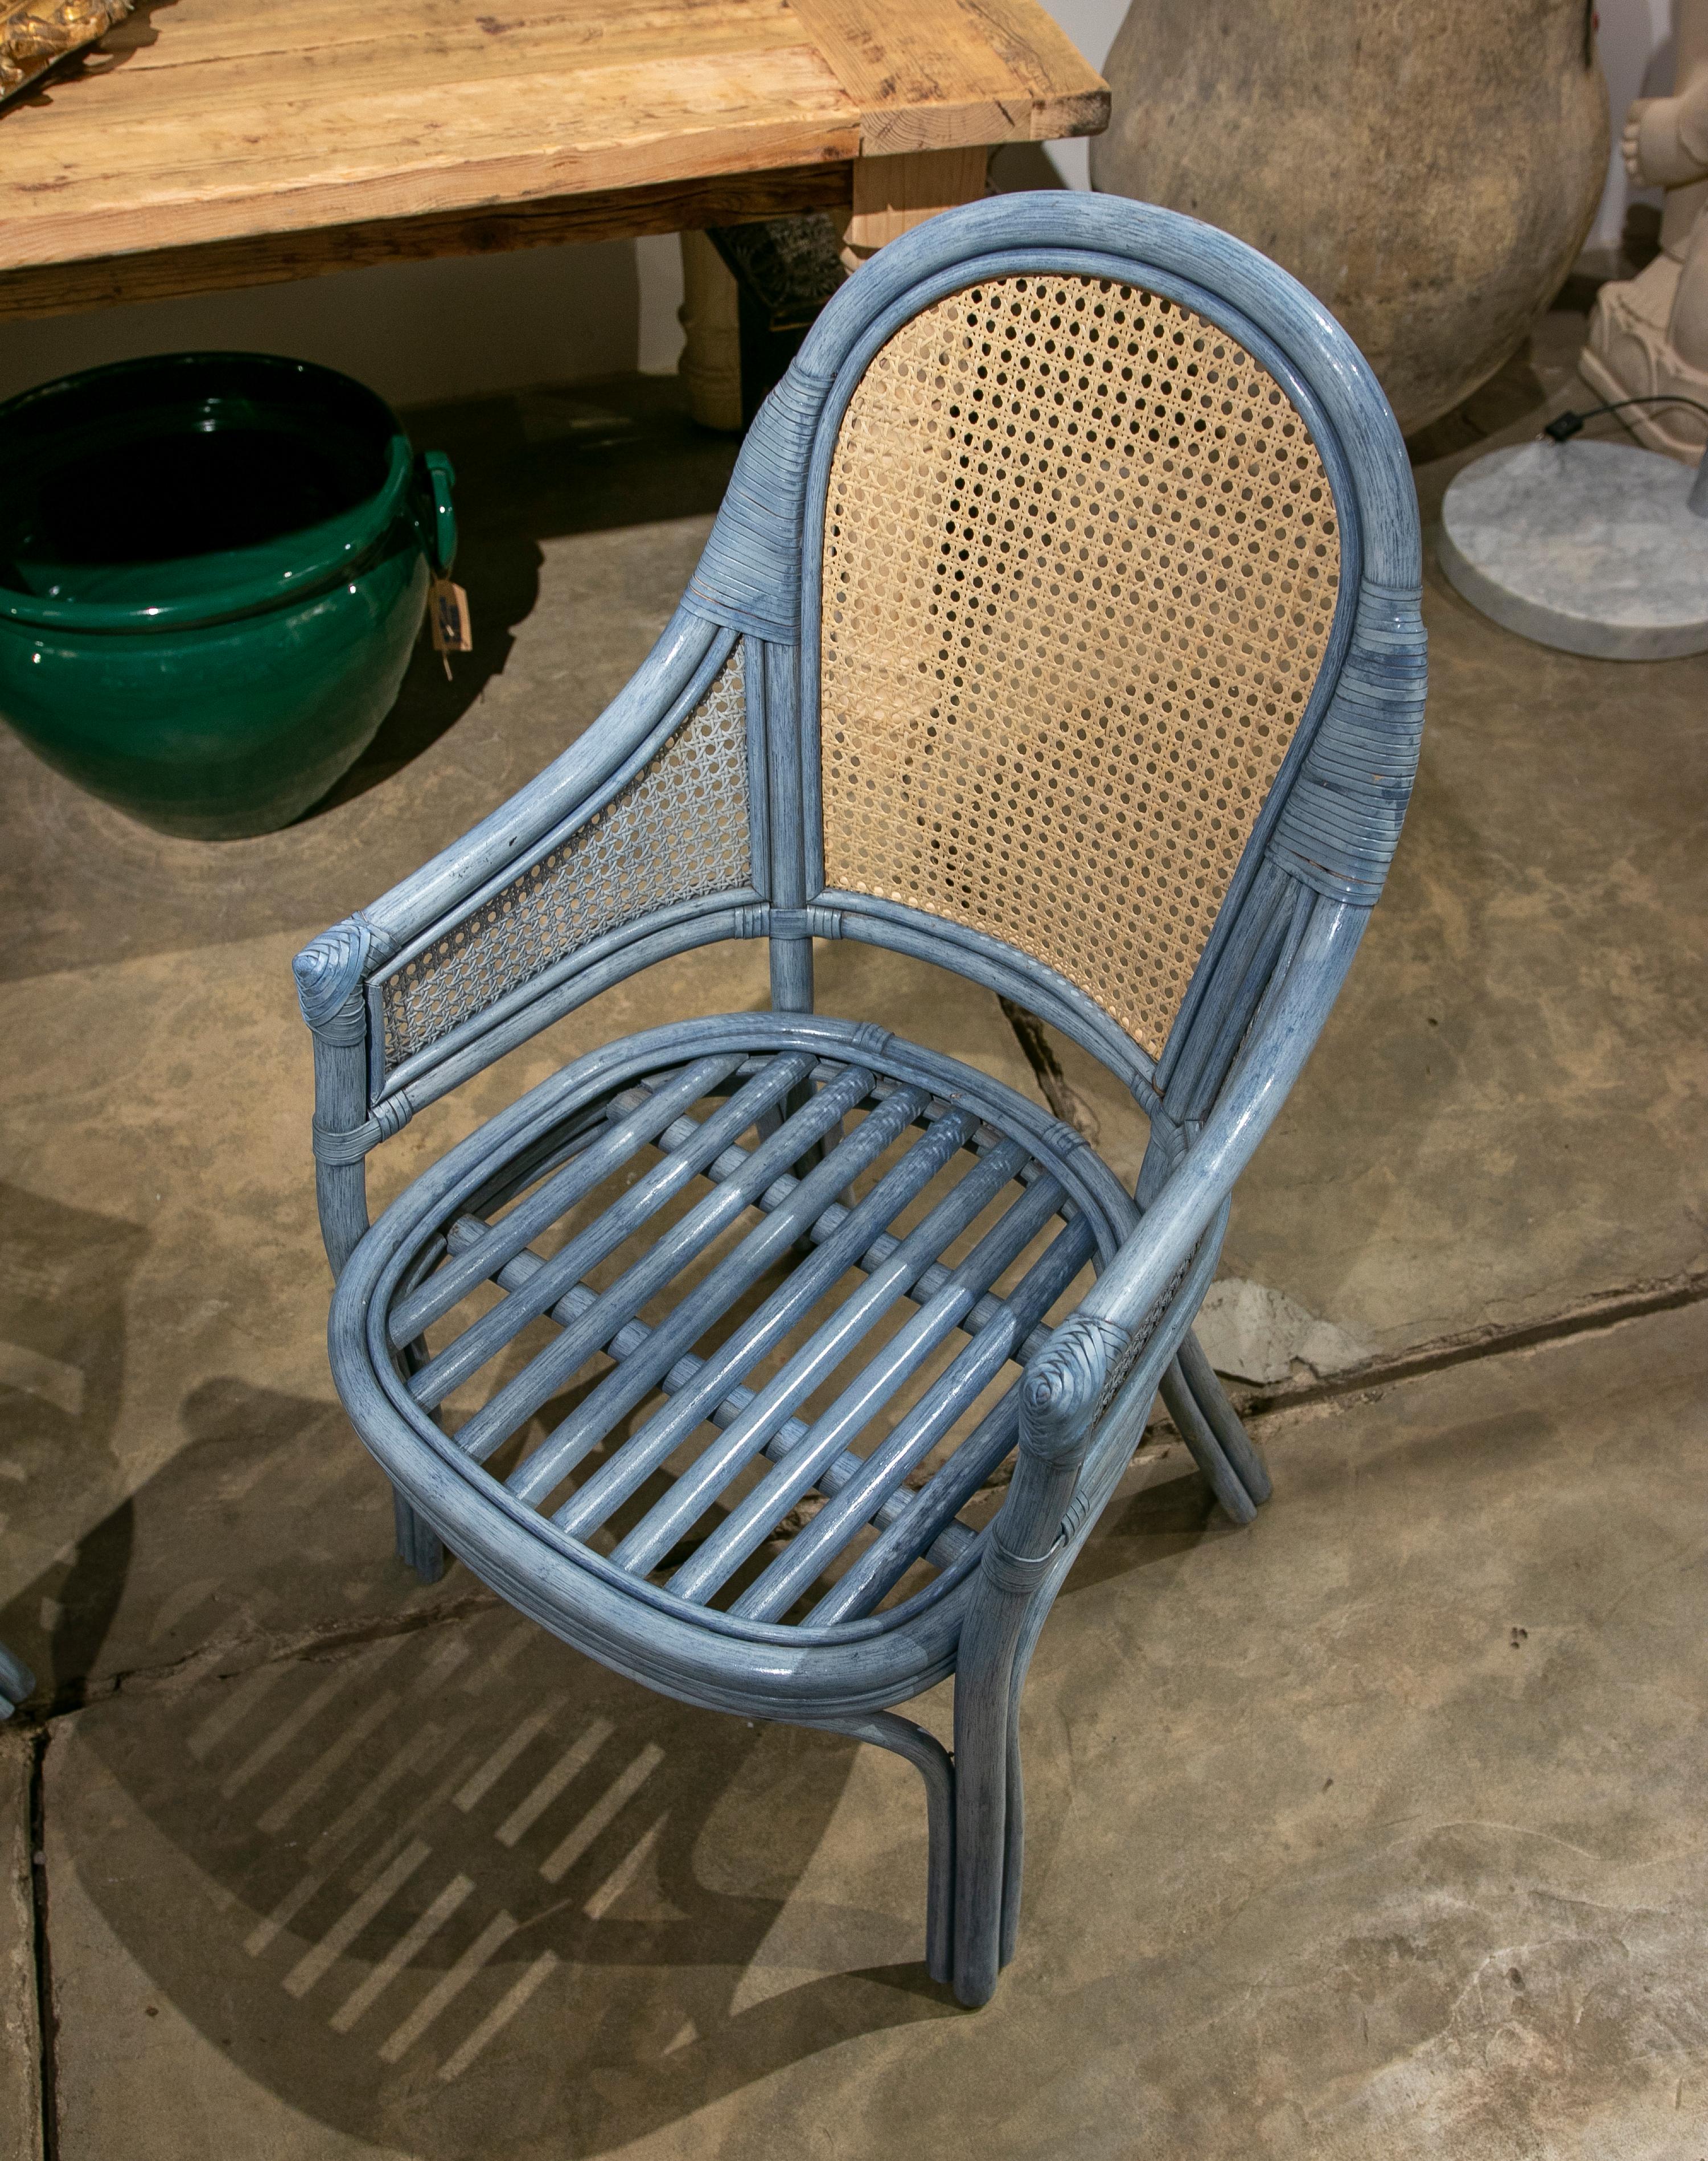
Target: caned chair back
x,y
1080,565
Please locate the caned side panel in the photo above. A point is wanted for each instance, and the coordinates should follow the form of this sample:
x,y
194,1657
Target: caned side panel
x,y
678,831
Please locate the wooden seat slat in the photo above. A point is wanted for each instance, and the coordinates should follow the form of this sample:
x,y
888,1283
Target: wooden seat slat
x,y
451,1283
815,1361
789,1216
547,1372
703,1143
753,1521
912,1525
953,1392
656,1441
953,1539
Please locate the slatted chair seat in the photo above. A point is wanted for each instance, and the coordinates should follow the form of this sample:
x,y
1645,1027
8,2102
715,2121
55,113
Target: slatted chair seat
x,y
1060,627
650,1442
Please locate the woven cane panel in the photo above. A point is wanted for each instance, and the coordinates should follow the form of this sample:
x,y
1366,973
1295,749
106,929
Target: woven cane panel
x,y
678,831
1080,563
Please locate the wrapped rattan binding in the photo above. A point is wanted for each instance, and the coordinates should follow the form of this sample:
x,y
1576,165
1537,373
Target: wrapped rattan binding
x,y
1081,563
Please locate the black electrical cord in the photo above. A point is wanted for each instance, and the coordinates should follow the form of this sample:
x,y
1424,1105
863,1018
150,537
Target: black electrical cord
x,y
1564,426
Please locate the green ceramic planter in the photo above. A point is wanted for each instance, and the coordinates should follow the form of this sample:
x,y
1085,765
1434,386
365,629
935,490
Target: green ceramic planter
x,y
213,567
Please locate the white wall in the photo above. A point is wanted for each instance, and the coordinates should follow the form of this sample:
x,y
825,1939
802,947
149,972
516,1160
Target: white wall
x,y
414,330
419,331
1092,24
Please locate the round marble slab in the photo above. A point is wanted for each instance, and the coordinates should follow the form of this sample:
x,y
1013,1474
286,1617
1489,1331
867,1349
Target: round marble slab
x,y
1586,546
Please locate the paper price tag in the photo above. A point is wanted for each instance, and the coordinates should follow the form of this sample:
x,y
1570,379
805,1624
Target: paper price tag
x,y
448,620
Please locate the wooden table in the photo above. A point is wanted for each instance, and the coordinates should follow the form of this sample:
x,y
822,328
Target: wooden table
x,y
220,143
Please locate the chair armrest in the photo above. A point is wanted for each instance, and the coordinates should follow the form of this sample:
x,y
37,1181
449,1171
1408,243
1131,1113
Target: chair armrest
x,y
332,970
418,902
1070,1383
361,1098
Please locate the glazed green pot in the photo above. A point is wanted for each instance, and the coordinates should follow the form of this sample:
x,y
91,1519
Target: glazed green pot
x,y
213,567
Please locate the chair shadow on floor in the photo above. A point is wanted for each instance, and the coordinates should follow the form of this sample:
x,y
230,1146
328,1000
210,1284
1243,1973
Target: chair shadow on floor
x,y
439,1853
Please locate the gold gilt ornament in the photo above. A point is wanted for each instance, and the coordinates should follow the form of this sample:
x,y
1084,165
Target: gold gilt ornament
x,y
35,34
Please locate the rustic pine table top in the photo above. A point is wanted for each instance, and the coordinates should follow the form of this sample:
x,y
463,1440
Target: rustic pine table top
x,y
214,143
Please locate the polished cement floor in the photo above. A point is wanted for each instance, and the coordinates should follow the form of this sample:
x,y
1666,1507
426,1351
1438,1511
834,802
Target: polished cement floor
x,y
1373,1831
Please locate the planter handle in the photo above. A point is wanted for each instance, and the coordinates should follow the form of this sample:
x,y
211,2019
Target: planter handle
x,y
438,478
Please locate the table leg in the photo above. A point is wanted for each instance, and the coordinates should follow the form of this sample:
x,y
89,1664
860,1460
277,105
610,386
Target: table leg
x,y
712,328
889,195
892,194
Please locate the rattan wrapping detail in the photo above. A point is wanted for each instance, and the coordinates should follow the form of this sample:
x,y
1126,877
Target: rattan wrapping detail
x,y
678,831
1080,563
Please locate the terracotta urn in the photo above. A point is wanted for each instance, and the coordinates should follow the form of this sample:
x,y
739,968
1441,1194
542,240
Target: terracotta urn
x,y
1428,172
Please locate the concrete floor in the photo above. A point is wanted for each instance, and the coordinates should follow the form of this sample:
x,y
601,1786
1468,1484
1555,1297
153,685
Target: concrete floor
x,y
1374,1830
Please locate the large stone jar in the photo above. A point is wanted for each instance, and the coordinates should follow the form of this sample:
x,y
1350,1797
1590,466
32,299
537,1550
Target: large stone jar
x,y
1430,171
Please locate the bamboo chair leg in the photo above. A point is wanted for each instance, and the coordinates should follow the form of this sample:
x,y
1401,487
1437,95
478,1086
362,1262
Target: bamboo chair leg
x,y
1014,1820
980,1843
886,1729
1013,1831
1223,1419
418,1543
989,1810
1036,1613
17,1681
1206,1450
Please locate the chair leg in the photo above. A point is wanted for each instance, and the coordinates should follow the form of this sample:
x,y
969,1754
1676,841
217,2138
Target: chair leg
x,y
1206,1450
885,1729
1014,1818
1224,1420
418,1543
17,1681
990,1809
988,1826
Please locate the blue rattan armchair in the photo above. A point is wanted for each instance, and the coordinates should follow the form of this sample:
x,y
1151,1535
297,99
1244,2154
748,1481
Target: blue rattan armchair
x,y
1059,627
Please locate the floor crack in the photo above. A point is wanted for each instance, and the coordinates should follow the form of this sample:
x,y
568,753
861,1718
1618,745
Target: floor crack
x,y
221,1661
47,2015
1606,1311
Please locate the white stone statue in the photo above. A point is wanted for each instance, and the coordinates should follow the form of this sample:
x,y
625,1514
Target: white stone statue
x,y
1648,334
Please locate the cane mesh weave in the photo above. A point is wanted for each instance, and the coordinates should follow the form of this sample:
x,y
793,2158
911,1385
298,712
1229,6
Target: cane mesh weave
x,y
678,831
1080,563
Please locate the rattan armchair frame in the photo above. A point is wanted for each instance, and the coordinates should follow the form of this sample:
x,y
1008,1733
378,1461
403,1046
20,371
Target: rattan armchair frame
x,y
701,807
